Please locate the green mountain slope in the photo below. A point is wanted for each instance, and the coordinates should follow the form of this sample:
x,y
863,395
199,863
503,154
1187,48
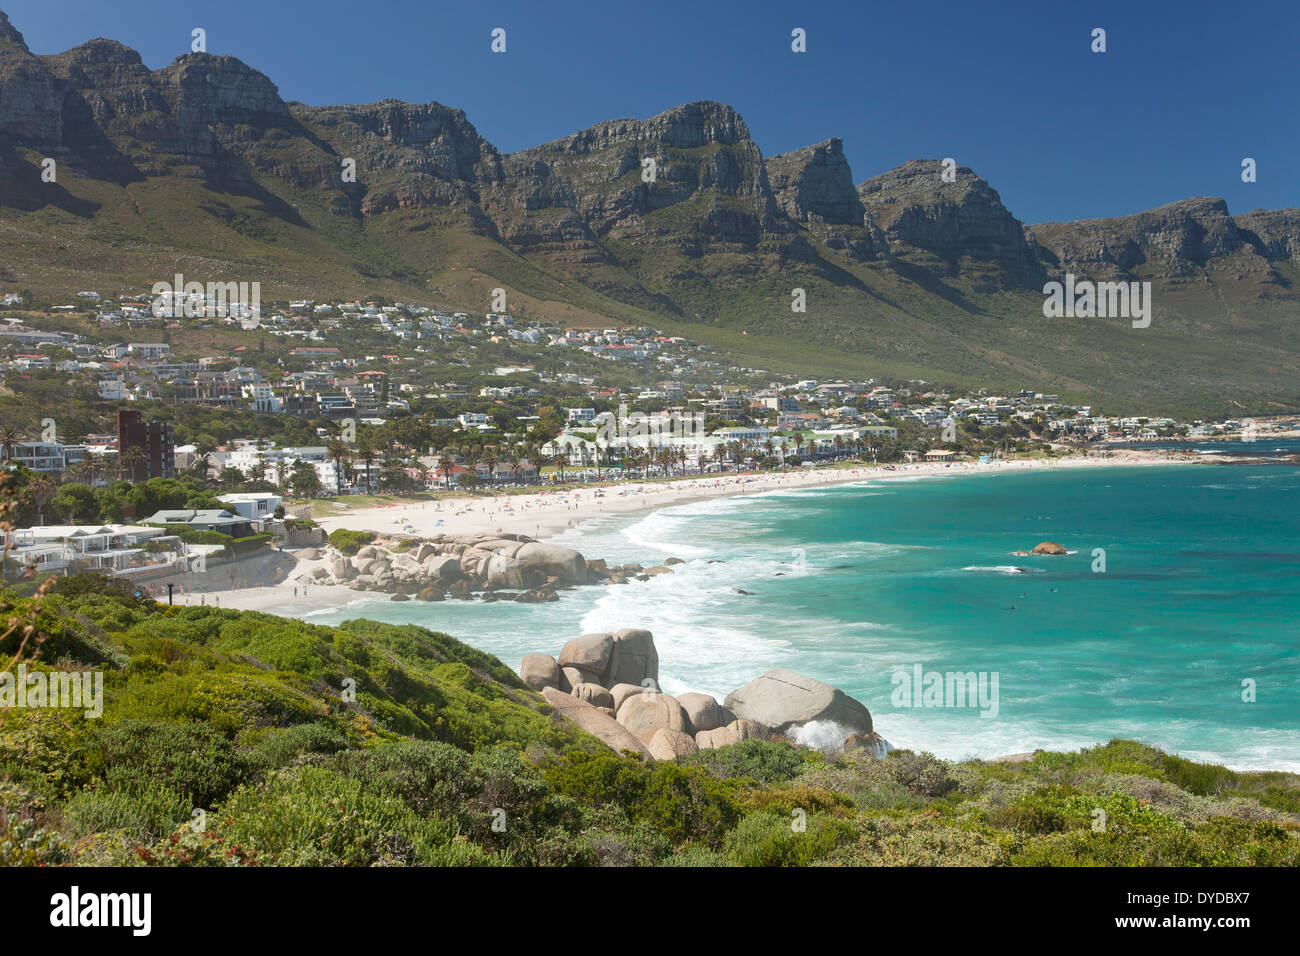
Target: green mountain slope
x,y
201,168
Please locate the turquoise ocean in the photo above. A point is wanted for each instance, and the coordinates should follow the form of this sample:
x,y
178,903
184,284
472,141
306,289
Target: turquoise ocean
x,y
1189,639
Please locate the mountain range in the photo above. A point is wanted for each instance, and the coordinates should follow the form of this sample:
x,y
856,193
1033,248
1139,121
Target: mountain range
x,y
201,168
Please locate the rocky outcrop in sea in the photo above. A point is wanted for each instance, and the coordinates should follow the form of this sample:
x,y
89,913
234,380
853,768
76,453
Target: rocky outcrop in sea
x,y
495,567
608,684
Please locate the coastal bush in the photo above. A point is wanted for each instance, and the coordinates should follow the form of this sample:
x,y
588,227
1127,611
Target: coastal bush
x,y
242,714
283,746
311,816
193,761
884,840
491,797
901,779
349,542
922,774
788,799
763,761
683,803
142,816
41,749
770,838
1220,842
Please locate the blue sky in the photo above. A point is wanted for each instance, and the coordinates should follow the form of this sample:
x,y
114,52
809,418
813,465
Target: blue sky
x,y
1184,92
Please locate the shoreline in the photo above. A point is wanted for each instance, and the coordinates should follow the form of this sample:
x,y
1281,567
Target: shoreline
x,y
280,600
545,514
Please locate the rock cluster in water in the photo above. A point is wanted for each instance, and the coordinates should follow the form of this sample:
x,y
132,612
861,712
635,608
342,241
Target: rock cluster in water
x,y
608,684
497,567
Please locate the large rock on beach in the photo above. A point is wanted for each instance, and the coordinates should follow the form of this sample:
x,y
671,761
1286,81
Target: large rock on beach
x,y
600,725
733,733
704,712
632,658
590,653
646,714
782,699
670,744
595,695
539,671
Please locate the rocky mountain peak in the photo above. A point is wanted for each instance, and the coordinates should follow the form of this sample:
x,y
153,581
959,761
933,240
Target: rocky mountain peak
x,y
1173,240
9,35
952,227
222,89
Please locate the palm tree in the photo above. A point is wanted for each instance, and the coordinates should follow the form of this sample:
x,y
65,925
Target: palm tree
x,y
78,471
257,470
201,465
129,461
445,467
9,437
368,452
39,491
338,452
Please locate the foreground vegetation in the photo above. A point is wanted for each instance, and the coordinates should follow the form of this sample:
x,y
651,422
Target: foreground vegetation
x,y
235,738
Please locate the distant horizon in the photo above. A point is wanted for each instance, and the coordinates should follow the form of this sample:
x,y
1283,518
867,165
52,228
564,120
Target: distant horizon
x,y
1006,92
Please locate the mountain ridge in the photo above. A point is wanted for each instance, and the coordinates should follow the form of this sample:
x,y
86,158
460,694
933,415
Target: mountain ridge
x,y
675,218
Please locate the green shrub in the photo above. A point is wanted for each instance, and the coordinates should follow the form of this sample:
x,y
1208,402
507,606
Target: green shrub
x,y
772,839
761,760
191,760
685,804
919,841
143,816
282,746
311,816
349,542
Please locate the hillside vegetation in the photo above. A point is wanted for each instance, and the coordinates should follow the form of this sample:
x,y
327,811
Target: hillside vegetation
x,y
235,738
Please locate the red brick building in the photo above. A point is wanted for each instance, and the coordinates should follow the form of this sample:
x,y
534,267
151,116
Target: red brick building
x,y
155,442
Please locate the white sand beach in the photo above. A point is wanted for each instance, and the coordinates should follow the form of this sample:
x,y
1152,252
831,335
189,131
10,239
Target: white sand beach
x,y
282,588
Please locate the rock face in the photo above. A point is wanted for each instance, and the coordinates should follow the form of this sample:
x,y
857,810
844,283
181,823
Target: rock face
x,y
595,695
814,187
633,658
951,228
667,727
589,653
601,726
212,138
670,744
539,671
1049,547
645,714
781,699
571,197
1190,237
704,712
733,733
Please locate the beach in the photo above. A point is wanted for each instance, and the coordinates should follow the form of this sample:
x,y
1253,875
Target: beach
x,y
545,514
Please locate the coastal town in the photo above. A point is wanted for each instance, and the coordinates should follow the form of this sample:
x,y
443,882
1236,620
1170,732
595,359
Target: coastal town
x,y
356,399
310,402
